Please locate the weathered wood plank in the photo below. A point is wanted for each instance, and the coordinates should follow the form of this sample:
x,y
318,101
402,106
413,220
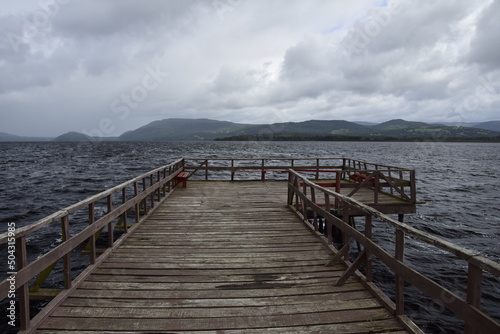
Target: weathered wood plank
x,y
220,302
214,312
222,256
269,284
219,323
231,291
268,252
118,272
139,276
376,326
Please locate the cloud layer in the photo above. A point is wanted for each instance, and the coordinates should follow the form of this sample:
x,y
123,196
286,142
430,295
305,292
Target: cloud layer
x,y
104,67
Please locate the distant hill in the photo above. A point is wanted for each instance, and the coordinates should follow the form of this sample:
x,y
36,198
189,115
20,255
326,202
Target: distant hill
x,y
80,137
401,129
400,124
179,129
13,138
307,128
73,136
398,129
365,123
8,137
182,129
491,125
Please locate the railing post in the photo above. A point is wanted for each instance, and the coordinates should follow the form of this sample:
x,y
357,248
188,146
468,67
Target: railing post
x,y
343,169
368,234
474,282
290,191
92,239
345,218
317,169
158,197
400,248
169,183
110,225
389,174
144,201
124,200
152,195
164,187
413,189
328,227
232,170
206,169
304,206
315,215
263,171
296,185
337,189
67,258
24,298
137,206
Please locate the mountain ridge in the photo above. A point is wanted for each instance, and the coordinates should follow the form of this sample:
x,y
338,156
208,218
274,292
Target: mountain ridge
x,y
396,129
203,129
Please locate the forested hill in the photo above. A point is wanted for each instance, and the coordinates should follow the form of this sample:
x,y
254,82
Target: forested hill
x,y
205,129
179,129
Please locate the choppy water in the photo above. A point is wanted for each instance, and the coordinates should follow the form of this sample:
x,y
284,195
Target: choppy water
x,y
459,183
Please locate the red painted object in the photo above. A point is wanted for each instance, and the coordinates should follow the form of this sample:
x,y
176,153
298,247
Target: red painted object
x,y
181,178
358,177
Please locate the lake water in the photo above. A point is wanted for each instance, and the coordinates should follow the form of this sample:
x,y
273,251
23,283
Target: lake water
x,y
458,181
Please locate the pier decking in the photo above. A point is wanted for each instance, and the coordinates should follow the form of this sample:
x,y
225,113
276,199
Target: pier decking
x,y
221,257
235,246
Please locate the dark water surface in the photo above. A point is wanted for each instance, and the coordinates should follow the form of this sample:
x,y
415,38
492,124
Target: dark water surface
x,y
458,181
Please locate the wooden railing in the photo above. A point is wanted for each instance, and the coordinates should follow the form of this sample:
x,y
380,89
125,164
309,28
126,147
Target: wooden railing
x,y
382,179
257,168
304,196
396,181
127,203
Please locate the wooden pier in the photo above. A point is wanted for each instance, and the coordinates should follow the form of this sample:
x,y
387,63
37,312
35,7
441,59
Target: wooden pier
x,y
228,256
221,257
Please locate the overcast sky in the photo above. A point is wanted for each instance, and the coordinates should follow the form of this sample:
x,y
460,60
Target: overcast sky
x,y
103,67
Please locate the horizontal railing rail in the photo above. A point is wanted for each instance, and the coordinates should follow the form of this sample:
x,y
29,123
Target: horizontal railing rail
x,y
126,205
354,164
303,197
257,168
136,197
355,174
392,180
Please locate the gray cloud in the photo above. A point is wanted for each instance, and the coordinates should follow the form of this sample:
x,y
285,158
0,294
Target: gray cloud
x,y
485,48
72,65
